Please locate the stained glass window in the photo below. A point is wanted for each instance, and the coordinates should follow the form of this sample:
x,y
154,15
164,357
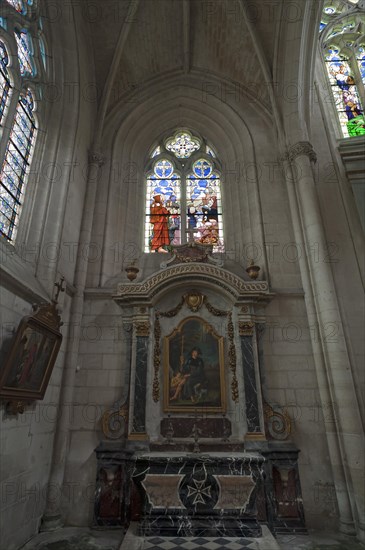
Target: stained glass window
x,y
341,29
4,80
20,131
3,23
183,200
16,164
25,52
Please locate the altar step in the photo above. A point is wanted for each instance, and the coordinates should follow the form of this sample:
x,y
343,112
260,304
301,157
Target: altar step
x,y
132,541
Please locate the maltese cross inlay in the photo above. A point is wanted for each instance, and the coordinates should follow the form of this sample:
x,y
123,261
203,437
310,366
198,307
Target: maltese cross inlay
x,y
199,492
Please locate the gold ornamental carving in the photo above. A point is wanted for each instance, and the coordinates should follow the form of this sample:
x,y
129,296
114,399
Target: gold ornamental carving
x,y
194,301
156,360
142,328
232,358
246,328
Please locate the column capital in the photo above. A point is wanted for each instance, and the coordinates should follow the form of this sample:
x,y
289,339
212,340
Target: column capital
x,y
95,157
302,148
142,327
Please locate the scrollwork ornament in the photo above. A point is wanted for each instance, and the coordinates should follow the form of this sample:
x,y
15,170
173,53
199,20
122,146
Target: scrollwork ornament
x,y
114,422
278,424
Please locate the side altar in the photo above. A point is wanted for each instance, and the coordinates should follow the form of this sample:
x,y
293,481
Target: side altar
x,y
193,447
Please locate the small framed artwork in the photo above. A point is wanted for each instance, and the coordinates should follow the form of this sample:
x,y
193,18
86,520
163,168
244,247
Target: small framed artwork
x,y
194,368
30,361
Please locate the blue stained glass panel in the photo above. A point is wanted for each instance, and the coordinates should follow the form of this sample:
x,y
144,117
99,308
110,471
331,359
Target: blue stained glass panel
x,y
202,168
163,169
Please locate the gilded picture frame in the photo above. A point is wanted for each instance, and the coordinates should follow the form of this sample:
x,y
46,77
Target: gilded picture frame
x,y
30,361
194,372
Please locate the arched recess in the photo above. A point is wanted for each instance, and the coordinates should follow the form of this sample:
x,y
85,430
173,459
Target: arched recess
x,y
232,127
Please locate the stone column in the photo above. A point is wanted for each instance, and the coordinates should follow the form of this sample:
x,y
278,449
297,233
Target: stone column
x,y
332,361
251,380
137,422
52,518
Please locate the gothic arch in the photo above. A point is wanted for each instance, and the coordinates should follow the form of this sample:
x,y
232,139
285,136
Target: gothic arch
x,y
129,134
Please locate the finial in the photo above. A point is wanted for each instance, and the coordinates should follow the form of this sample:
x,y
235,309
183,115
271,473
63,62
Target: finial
x,y
253,270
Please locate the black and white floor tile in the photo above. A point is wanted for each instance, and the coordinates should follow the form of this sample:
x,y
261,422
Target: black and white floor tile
x,y
197,543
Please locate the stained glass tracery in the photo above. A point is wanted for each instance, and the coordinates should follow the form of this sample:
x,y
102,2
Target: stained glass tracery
x,y
183,145
5,85
183,200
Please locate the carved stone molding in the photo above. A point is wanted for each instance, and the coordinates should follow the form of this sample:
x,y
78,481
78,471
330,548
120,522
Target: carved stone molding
x,y
302,148
246,328
200,272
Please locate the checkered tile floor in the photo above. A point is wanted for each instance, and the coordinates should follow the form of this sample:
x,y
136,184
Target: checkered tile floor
x,y
197,543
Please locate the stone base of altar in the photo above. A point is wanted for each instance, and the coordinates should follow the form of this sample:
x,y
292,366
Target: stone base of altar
x,y
199,495
176,491
197,525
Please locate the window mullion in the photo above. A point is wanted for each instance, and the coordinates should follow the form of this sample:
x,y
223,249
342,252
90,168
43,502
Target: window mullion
x,y
7,125
183,208
358,80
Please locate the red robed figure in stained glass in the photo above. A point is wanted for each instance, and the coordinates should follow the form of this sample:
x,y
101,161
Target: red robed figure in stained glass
x,y
159,219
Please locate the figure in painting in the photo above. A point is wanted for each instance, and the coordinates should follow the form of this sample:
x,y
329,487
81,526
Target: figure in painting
x,y
29,348
160,221
190,381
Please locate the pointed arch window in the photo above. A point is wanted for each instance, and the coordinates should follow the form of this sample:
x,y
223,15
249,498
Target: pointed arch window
x,y
17,108
342,38
183,198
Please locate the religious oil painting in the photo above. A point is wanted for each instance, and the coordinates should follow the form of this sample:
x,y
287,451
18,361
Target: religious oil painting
x,y
194,368
30,361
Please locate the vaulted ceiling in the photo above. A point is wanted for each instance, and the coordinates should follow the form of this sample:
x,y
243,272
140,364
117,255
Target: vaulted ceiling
x,y
210,38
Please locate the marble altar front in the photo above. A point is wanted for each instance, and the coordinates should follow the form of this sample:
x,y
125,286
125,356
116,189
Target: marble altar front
x,y
196,494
